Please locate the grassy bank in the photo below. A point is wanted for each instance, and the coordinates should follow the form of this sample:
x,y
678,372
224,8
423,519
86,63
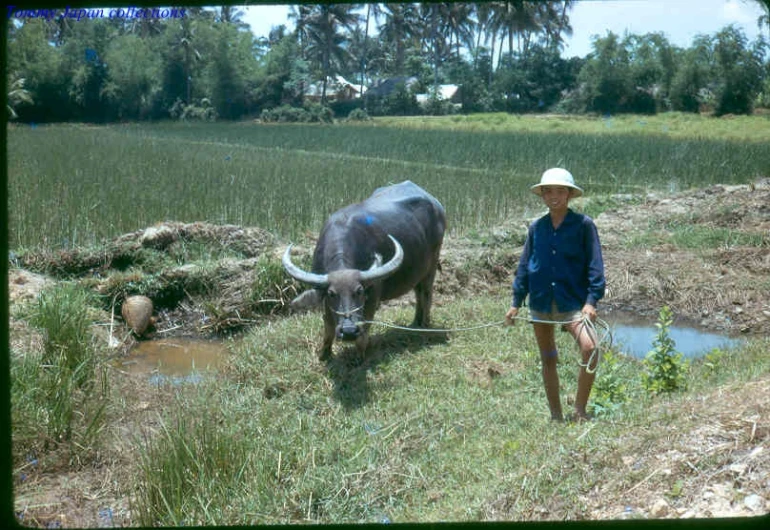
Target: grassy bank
x,y
73,185
428,429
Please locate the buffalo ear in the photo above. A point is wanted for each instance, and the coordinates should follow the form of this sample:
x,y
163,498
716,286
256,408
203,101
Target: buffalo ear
x,y
310,299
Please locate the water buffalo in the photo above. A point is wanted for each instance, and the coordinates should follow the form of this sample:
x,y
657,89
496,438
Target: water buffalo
x,y
402,225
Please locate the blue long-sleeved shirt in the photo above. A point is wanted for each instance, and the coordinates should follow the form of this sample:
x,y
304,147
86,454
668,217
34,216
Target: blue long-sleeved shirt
x,y
563,265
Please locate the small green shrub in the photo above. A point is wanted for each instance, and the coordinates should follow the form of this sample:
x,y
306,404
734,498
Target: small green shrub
x,y
665,367
610,391
318,113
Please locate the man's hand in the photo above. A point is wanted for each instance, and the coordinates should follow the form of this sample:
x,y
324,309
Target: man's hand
x,y
510,316
589,311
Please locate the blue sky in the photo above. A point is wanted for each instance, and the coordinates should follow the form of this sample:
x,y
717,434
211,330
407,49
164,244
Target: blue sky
x,y
680,20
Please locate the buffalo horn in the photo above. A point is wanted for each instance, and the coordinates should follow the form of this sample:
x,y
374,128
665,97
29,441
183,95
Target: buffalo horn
x,y
387,269
317,280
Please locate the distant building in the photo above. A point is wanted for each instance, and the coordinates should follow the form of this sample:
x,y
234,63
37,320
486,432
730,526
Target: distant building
x,y
337,89
385,87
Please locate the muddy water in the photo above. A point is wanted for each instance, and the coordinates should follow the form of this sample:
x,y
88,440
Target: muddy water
x,y
634,336
177,360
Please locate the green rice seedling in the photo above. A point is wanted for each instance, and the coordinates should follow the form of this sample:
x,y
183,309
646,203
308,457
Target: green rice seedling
x,y
287,178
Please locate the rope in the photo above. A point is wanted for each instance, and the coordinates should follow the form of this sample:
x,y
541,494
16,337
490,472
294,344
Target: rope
x,y
432,330
596,353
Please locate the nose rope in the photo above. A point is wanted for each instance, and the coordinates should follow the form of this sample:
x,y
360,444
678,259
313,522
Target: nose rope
x,y
346,314
596,354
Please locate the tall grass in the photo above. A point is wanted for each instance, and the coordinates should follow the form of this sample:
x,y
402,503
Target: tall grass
x,y
74,185
59,396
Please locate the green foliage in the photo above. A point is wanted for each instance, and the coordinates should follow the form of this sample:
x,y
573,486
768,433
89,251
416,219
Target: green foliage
x,y
271,288
665,367
401,102
534,82
112,69
739,71
713,359
610,390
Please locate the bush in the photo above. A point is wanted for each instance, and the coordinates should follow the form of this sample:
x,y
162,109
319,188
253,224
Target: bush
x,y
358,115
665,367
609,390
202,112
318,113
312,113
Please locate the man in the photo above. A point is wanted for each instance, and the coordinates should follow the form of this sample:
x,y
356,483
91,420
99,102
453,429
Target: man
x,y
562,271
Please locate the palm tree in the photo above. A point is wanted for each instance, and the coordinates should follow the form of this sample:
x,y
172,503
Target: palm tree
x,y
186,43
372,10
326,41
301,15
402,25
17,94
459,24
764,19
231,15
554,21
517,17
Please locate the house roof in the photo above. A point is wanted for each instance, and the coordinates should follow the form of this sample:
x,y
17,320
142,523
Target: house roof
x,y
333,86
385,86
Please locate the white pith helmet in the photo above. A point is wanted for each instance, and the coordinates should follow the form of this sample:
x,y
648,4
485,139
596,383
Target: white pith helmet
x,y
557,176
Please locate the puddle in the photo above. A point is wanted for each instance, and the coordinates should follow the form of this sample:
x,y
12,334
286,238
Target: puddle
x,y
634,336
177,360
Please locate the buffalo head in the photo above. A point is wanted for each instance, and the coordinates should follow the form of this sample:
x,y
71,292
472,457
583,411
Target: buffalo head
x,y
349,296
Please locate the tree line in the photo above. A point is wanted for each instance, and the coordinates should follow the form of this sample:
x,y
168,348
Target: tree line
x,y
504,56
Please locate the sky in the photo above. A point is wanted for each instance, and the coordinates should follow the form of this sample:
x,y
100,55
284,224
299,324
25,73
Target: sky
x,y
679,20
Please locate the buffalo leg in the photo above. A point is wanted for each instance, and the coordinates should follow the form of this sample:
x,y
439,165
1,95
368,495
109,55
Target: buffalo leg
x,y
423,293
325,353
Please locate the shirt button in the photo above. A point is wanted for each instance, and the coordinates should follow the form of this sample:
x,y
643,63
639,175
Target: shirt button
x,y
554,252
553,284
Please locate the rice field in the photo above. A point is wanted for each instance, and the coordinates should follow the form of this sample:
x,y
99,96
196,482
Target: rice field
x,y
76,185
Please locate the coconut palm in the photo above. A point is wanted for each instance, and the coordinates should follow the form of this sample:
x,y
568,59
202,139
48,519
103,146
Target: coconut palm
x,y
301,15
459,24
373,11
555,21
401,25
326,44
